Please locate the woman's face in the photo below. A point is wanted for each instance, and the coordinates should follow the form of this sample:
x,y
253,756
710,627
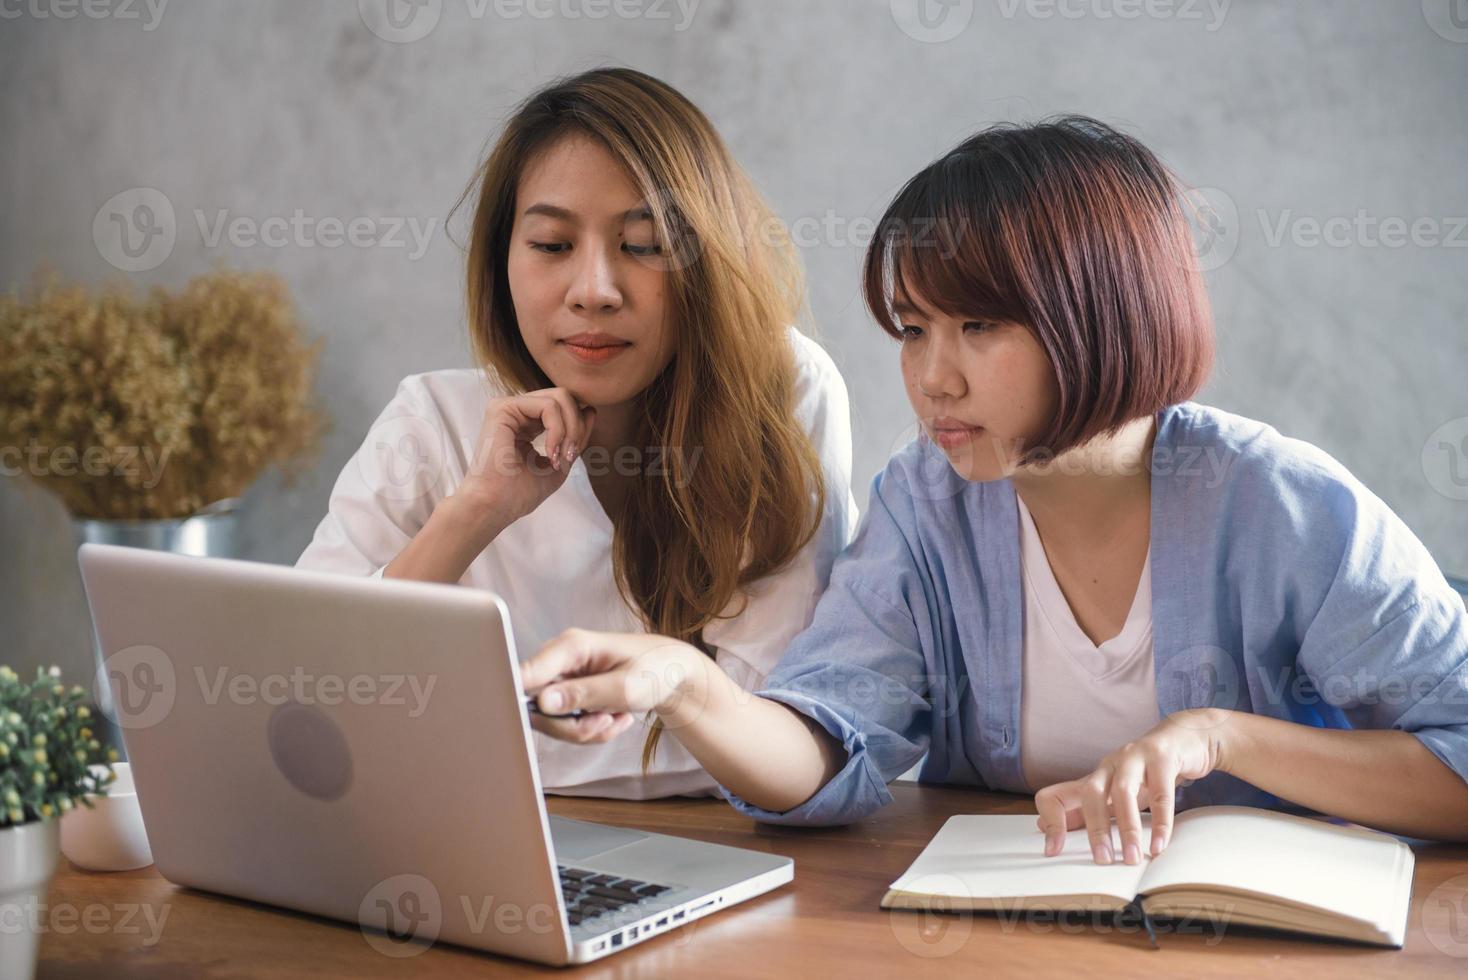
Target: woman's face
x,y
982,391
586,274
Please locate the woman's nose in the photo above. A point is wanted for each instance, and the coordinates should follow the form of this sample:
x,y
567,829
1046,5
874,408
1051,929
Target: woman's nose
x,y
595,288
938,375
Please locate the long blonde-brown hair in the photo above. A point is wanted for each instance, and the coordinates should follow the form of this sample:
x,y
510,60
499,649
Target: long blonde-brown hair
x,y
687,541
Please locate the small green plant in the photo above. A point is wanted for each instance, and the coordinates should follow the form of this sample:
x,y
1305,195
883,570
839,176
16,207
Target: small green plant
x,y
46,749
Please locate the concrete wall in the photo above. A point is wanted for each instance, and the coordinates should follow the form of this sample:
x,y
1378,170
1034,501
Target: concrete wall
x,y
1291,114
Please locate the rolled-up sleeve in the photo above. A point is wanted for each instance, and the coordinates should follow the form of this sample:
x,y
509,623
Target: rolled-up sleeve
x,y
1388,645
859,672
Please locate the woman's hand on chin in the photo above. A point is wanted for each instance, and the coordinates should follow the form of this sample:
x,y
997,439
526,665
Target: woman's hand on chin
x,y
1141,775
507,478
612,678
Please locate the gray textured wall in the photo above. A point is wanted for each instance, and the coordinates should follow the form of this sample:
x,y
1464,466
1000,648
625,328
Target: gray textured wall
x,y
1290,112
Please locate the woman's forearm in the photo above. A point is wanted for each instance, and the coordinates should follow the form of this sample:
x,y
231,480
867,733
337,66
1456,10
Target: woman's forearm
x,y
764,752
1383,779
454,535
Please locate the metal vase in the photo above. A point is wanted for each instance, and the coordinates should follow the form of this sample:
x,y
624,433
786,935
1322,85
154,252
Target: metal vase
x,y
210,533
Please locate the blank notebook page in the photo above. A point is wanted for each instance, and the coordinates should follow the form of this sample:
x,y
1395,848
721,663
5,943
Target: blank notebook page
x,y
1347,870
1003,856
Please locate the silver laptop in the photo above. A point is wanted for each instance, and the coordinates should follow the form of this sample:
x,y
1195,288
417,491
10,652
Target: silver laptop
x,y
359,749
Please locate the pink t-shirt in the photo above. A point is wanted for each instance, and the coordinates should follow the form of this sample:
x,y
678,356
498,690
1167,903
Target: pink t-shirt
x,y
1078,701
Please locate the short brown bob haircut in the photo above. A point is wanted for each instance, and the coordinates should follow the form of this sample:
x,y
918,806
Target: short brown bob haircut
x,y
1076,232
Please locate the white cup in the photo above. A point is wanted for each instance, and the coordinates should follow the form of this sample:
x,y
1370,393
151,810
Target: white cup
x,y
109,836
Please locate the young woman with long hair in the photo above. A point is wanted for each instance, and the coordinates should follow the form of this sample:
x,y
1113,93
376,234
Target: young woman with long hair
x,y
649,444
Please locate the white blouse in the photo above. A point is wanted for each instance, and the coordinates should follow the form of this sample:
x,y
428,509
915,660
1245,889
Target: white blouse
x,y
1078,701
553,567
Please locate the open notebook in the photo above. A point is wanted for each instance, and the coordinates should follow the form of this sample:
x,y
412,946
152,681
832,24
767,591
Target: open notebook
x,y
1230,864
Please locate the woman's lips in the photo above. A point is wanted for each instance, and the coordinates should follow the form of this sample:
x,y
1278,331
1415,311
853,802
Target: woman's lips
x,y
595,351
954,435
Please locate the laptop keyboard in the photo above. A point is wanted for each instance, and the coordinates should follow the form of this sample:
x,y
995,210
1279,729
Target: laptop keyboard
x,y
589,894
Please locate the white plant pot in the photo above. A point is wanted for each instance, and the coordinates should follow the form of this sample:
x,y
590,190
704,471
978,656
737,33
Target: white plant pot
x,y
28,858
109,835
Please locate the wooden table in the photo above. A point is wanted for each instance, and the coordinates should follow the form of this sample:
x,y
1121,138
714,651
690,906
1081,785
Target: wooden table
x,y
825,924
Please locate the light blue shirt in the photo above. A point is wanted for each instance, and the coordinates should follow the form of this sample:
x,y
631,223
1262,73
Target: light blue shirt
x,y
1280,586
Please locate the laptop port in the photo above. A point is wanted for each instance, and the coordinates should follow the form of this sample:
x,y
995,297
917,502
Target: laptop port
x,y
678,915
616,940
662,922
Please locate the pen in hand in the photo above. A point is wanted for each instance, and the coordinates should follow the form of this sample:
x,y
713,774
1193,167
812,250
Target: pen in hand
x,y
534,709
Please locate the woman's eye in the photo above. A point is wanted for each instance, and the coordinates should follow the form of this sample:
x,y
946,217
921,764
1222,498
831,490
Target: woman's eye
x,y
643,251
977,325
551,248
911,332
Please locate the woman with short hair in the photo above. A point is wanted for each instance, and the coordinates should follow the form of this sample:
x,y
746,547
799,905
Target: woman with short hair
x,y
1077,582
